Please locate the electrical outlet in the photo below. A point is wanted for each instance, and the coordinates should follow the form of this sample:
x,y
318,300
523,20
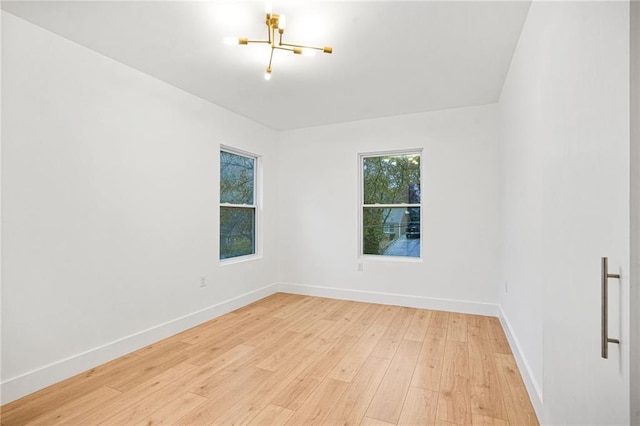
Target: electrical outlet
x,y
360,267
506,286
203,281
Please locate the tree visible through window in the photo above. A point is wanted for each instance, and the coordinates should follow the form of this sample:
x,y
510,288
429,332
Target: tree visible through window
x,y
391,204
237,205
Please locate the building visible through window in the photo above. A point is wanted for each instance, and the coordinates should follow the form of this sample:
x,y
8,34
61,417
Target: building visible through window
x,y
238,208
391,204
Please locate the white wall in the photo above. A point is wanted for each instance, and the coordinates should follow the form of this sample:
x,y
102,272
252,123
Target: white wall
x,y
109,208
565,112
318,210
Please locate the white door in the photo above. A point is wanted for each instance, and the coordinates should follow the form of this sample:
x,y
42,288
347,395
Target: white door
x,y
588,214
635,212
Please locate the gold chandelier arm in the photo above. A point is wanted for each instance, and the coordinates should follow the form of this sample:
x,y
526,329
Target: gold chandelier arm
x,y
325,49
288,49
271,57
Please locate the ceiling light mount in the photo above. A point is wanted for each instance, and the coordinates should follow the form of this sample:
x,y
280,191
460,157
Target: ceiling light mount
x,y
276,24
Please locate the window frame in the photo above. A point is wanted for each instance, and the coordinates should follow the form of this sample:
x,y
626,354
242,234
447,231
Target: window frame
x,y
361,206
256,206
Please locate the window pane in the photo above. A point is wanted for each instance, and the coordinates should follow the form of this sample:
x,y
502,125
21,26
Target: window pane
x,y
391,179
391,232
236,178
237,231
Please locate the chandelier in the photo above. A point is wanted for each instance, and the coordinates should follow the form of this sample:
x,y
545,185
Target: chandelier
x,y
275,29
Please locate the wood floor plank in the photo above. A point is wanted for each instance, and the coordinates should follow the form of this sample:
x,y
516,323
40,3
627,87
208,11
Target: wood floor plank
x,y
229,380
214,345
307,319
264,350
207,377
388,314
90,401
278,361
418,326
248,404
419,407
293,392
223,394
292,309
274,302
454,400
429,367
480,420
297,342
486,396
225,359
499,341
221,330
317,407
130,398
348,366
296,392
145,407
368,421
390,341
516,399
352,405
439,319
172,410
37,404
272,415
329,336
478,326
366,320
387,402
457,329
329,358
339,307
151,365
245,407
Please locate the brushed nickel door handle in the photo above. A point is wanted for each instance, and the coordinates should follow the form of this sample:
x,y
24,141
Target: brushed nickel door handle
x,y
605,308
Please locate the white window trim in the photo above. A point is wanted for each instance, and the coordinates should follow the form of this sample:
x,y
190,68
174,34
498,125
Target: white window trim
x,y
380,257
257,205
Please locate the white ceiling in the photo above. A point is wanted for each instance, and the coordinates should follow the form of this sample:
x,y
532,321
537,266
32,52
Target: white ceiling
x,y
390,57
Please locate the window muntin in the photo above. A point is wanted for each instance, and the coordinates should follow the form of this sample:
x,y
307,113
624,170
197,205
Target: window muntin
x,y
238,207
391,204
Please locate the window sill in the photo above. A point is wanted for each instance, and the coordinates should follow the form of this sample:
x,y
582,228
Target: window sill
x,y
240,259
382,258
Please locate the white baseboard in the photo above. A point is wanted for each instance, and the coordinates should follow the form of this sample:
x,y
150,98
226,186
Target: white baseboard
x,y
533,388
40,378
451,305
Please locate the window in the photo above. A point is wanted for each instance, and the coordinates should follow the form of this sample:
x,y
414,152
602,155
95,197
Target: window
x,y
238,207
391,204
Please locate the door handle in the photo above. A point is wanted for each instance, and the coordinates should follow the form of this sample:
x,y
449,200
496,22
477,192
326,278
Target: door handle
x,y
605,308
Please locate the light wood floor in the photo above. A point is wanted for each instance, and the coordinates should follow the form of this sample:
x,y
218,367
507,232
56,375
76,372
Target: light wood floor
x,y
291,359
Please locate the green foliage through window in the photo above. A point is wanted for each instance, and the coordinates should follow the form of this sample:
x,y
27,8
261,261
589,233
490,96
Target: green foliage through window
x,y
237,205
391,205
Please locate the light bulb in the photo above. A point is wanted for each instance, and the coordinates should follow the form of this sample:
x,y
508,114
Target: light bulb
x,y
267,7
282,22
267,74
231,40
308,52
